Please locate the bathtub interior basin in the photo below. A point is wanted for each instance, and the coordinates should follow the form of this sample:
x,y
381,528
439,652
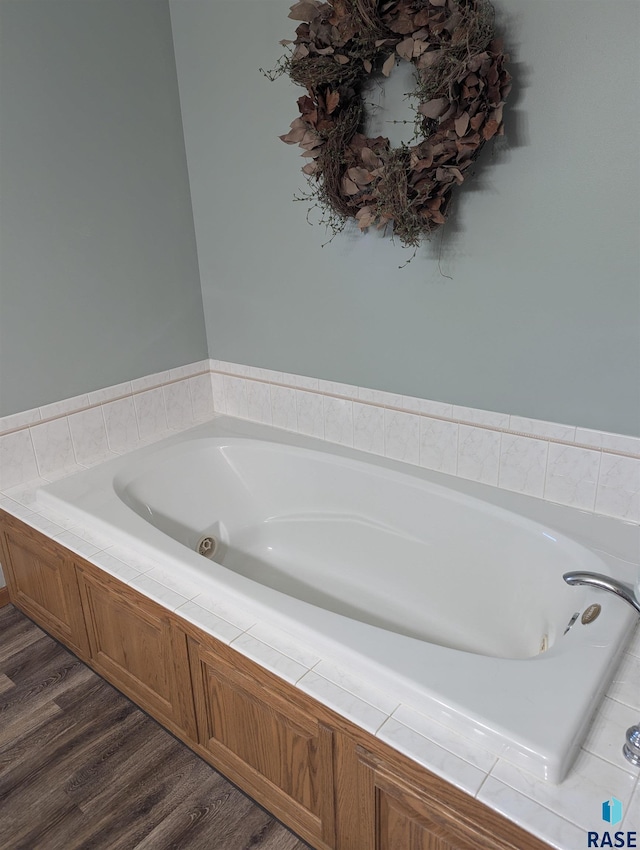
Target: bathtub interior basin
x,y
455,603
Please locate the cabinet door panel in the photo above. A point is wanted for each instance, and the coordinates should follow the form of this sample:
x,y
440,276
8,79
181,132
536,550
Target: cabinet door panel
x,y
135,645
42,583
274,750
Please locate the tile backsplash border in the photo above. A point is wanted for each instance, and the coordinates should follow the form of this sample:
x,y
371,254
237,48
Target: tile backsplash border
x,y
591,470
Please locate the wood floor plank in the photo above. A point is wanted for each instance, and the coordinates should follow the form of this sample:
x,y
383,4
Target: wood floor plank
x,y
82,768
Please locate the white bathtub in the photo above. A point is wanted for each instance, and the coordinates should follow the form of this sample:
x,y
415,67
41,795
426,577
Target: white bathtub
x,y
456,604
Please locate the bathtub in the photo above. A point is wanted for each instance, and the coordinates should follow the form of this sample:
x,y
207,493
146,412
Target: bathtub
x,y
454,603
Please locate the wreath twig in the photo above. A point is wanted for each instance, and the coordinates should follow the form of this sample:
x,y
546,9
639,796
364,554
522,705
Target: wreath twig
x,y
461,83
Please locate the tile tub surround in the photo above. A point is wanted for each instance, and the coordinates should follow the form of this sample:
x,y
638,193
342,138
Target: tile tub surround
x,y
597,472
593,471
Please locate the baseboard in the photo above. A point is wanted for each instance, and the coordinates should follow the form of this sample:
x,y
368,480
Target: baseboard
x,y
4,596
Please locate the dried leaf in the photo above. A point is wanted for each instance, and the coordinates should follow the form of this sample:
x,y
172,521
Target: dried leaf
x,y
349,187
419,46
389,64
434,108
367,66
365,217
310,168
361,176
462,124
405,49
332,99
304,10
369,158
490,129
341,59
438,2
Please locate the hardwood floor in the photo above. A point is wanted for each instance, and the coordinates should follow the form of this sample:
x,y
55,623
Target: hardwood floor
x,y
82,768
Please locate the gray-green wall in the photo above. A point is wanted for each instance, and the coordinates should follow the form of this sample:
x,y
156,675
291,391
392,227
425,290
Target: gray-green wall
x,y
98,266
529,303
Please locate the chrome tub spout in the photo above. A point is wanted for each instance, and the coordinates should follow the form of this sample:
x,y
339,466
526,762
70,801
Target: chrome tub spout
x,y
622,589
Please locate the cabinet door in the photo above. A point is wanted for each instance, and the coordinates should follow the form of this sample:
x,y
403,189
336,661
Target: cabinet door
x,y
264,741
398,814
136,646
42,583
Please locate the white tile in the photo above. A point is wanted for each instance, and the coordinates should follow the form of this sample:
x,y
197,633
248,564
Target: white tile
x,y
132,558
226,611
426,752
342,701
439,445
174,581
631,819
368,427
76,544
121,424
88,434
19,420
572,476
533,817
150,413
189,370
14,508
95,538
114,566
481,417
269,657
618,492
59,519
110,393
26,493
579,797
541,428
44,524
384,701
147,382
310,413
523,462
158,592
235,393
337,388
624,687
283,408
478,454
285,643
338,420
427,407
460,745
606,440
303,382
53,446
17,459
380,397
259,401
402,436
64,407
217,390
201,397
177,399
208,622
606,735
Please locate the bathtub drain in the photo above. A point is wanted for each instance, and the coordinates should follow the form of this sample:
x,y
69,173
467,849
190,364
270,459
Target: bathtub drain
x,y
207,546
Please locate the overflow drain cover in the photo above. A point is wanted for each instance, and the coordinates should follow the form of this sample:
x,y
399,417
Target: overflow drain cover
x,y
591,613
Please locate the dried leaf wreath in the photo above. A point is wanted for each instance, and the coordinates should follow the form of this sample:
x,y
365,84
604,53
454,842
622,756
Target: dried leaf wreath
x,y
461,87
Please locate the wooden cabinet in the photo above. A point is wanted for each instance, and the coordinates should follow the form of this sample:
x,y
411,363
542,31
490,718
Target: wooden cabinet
x,y
265,741
42,583
138,647
423,813
336,785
